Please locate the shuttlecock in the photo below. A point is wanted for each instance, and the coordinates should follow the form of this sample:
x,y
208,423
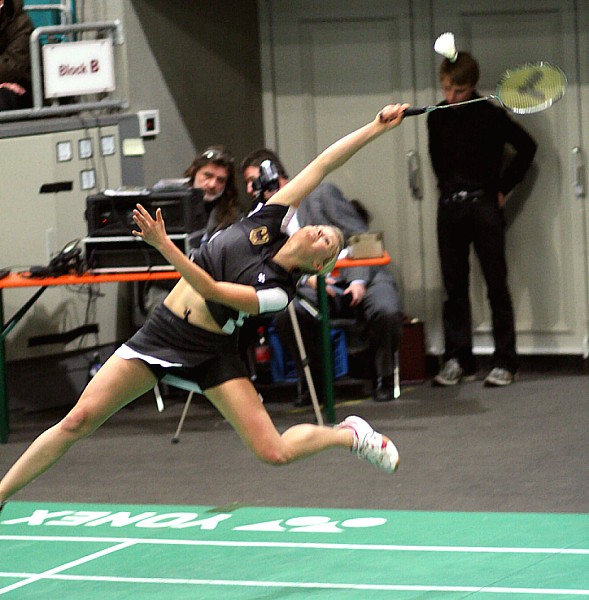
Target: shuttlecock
x,y
446,47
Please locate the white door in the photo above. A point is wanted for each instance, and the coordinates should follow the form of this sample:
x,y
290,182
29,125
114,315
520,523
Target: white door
x,y
329,65
546,245
580,148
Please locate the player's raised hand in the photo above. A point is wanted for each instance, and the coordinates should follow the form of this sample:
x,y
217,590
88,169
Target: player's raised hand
x,y
152,231
392,114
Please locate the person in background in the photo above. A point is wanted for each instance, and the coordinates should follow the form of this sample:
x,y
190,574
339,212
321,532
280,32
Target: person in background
x,y
467,146
262,184
15,60
369,294
212,171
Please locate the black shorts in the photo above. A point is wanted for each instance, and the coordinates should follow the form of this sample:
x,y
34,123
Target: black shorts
x,y
172,347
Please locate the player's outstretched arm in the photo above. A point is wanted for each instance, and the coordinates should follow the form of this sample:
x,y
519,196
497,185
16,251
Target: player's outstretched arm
x,y
153,231
336,155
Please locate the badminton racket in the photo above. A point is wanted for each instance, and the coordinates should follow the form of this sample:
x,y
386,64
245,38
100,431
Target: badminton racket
x,y
524,90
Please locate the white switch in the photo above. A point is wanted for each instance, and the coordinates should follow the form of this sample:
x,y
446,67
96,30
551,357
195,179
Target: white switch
x,y
107,145
85,148
64,151
87,179
149,122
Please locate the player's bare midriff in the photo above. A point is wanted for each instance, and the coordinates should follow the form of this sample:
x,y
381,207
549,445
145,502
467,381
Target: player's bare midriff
x,y
185,302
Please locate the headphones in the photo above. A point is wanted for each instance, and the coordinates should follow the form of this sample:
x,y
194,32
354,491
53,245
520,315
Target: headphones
x,y
69,260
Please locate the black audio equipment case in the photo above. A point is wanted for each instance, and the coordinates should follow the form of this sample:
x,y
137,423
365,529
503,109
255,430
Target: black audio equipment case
x,y
110,213
110,245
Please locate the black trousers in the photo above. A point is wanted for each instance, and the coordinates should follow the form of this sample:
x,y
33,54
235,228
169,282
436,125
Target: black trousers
x,y
481,223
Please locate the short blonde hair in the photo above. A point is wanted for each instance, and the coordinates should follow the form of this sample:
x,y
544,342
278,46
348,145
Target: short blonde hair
x,y
328,266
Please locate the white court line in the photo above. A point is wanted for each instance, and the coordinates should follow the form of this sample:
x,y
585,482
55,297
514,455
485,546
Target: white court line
x,y
127,542
303,545
314,585
32,578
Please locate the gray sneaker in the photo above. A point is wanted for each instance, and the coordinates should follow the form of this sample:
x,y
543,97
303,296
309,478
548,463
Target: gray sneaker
x,y
450,374
498,377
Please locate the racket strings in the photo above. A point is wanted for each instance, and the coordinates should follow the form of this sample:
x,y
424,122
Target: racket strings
x,y
531,88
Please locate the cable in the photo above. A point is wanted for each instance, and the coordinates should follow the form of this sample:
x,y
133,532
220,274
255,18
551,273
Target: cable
x,y
103,158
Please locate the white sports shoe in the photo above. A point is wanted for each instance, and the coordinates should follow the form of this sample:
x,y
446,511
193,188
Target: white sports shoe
x,y
370,445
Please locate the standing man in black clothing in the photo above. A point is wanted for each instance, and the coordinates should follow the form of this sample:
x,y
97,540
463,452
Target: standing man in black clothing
x,y
466,146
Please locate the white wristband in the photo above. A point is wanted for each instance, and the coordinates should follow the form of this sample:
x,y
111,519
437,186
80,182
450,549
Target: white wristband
x,y
272,300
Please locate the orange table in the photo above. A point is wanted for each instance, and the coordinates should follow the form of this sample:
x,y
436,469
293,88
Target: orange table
x,y
345,263
20,280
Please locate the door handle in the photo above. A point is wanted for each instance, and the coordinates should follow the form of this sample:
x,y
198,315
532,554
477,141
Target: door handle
x,y
414,174
578,165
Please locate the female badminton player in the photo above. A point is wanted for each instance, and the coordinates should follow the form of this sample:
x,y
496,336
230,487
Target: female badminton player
x,y
248,269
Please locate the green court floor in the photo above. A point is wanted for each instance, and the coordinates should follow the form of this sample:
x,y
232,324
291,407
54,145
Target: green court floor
x,y
103,551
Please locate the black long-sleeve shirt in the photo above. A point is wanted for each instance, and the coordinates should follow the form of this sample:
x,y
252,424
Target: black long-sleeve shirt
x,y
15,31
467,143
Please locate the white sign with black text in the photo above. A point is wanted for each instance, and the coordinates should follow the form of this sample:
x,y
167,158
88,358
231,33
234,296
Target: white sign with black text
x,y
75,68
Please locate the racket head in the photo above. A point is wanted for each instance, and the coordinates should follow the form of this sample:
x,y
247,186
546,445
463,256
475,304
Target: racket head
x,y
531,87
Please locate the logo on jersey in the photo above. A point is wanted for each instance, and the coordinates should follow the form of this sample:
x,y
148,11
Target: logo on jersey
x,y
261,277
259,235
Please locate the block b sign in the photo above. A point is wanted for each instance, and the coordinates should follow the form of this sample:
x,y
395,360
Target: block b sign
x,y
77,68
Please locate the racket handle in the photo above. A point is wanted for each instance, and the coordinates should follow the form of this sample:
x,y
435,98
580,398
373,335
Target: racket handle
x,y
409,112
413,111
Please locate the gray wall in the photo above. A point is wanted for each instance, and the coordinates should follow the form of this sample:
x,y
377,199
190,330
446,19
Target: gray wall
x,y
200,67
198,63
